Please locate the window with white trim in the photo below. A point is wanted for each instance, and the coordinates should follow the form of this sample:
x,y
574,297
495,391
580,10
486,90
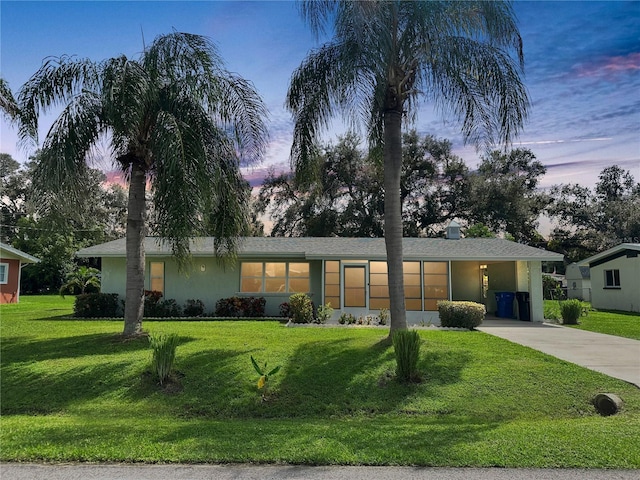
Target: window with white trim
x,y
274,277
612,278
4,273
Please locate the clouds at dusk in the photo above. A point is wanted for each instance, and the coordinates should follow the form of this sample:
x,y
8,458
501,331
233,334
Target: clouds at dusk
x,y
582,69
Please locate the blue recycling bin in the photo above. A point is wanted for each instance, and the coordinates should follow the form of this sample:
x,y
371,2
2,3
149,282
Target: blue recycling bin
x,y
504,300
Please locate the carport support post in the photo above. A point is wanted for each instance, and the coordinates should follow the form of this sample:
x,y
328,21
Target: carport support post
x,y
535,291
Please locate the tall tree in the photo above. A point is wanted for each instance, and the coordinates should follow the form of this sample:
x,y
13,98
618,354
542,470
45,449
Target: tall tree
x,y
175,117
592,220
386,56
504,194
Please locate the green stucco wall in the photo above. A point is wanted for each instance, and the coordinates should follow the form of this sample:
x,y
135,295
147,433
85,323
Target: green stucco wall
x,y
208,280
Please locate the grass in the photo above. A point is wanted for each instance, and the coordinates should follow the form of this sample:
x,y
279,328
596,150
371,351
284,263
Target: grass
x,y
621,324
75,391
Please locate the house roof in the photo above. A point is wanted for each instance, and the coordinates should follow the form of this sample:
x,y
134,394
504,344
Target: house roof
x,y
485,249
610,254
7,251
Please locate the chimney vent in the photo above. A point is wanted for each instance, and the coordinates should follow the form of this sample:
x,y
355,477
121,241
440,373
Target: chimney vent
x,y
453,231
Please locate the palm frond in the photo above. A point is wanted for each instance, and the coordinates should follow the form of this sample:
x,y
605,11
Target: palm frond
x,y
8,104
57,82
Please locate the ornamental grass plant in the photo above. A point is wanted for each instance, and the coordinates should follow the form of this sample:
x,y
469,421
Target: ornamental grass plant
x,y
570,310
406,346
164,354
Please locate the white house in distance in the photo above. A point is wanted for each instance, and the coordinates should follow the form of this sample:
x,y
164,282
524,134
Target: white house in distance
x,y
615,278
11,262
348,273
578,278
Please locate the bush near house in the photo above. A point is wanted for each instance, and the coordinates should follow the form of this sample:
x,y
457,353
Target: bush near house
x,y
240,307
154,306
461,314
96,305
301,308
193,308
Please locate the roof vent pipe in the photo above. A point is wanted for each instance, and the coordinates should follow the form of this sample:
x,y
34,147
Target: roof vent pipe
x,y
453,231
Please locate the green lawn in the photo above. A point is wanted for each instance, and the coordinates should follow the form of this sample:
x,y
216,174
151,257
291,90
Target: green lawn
x,y
621,324
74,391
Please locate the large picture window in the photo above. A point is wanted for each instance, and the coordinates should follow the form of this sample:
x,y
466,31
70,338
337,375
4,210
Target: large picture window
x,y
612,278
274,277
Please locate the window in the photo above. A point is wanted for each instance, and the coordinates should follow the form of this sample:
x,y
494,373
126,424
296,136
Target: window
x,y
332,283
379,286
4,273
436,284
156,277
612,279
274,277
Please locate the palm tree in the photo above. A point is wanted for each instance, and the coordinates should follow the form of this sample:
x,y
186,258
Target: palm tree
x,y
386,56
80,280
174,117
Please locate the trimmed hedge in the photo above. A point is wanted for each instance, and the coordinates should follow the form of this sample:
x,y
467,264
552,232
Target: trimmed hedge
x,y
96,305
461,314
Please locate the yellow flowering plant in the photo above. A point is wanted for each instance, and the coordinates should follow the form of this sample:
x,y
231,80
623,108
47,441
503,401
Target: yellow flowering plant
x,y
262,371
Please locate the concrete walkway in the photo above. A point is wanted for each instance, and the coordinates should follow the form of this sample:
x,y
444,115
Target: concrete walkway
x,y
18,471
614,356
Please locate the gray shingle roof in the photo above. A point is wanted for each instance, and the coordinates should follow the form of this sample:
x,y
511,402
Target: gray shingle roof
x,y
485,249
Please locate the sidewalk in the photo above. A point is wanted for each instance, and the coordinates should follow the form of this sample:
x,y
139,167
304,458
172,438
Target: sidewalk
x,y
17,471
617,357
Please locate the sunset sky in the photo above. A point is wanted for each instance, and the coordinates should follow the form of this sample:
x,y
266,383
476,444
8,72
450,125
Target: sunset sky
x,y
582,68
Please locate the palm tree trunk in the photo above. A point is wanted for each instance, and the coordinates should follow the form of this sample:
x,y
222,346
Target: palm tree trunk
x,y
393,217
134,303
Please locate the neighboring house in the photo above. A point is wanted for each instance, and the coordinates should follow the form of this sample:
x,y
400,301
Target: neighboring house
x,y
349,273
615,278
578,282
11,262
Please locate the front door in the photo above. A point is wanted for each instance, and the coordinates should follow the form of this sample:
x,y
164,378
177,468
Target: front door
x,y
355,286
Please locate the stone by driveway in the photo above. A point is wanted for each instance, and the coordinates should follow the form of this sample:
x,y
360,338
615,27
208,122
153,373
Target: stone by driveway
x,y
614,356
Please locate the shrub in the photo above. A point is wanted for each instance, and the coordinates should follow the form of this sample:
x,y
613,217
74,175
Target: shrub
x,y
325,312
285,310
383,316
240,307
461,314
154,306
406,345
193,308
570,310
301,308
94,305
164,354
347,318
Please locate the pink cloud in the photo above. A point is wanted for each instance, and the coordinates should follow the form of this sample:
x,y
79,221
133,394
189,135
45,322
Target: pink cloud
x,y
609,66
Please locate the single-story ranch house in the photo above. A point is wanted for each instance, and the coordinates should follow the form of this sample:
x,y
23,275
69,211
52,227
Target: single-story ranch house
x,y
348,273
11,262
615,278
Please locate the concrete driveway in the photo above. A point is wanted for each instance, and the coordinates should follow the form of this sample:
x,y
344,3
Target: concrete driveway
x,y
614,356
